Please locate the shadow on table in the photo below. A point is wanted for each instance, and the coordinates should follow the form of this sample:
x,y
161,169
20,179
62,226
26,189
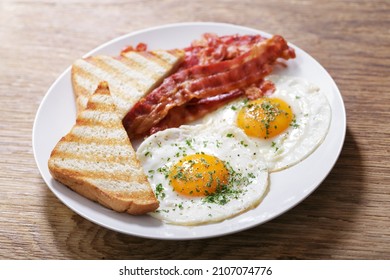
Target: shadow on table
x,y
315,229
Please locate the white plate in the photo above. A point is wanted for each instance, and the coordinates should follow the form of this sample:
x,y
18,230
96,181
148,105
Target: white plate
x,y
56,115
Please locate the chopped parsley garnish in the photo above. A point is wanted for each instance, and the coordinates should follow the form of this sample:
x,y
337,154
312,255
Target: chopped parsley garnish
x,y
223,195
189,142
160,191
180,175
148,154
180,205
163,170
251,175
266,112
271,111
294,123
273,145
243,143
229,191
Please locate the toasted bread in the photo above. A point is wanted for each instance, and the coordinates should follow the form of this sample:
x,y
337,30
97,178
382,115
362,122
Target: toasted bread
x,y
130,75
96,159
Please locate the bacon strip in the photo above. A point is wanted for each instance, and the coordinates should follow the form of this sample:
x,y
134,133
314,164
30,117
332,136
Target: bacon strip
x,y
194,110
203,81
212,48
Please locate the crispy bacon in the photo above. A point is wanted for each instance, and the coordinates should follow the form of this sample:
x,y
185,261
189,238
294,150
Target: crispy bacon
x,y
202,81
211,48
140,47
256,91
194,110
198,108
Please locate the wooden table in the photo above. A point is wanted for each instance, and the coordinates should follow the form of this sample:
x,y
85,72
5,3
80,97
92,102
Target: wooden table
x,y
347,217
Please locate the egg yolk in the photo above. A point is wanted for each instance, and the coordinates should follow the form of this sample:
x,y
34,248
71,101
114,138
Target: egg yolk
x,y
265,117
198,175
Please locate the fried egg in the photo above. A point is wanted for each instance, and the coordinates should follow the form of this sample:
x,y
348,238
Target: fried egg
x,y
203,175
286,126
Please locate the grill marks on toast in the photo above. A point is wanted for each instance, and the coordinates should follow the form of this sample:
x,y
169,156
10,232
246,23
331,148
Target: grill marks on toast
x,y
122,92
155,63
130,76
135,78
95,152
102,169
96,159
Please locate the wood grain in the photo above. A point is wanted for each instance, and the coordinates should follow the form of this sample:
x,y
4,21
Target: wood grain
x,y
347,217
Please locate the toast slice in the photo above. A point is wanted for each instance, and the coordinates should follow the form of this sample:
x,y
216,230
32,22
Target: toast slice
x,y
96,159
130,76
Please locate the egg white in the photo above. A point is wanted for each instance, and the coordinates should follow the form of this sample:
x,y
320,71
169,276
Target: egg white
x,y
159,152
312,116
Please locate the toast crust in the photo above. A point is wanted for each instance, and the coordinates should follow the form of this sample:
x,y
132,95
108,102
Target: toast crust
x,y
137,203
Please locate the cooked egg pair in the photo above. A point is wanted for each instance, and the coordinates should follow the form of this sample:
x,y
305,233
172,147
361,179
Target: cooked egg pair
x,y
218,169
